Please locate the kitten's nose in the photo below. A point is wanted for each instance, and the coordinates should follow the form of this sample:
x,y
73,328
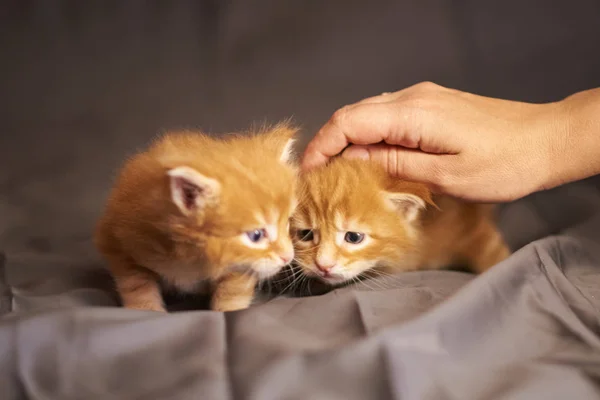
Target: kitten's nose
x,y
324,267
286,258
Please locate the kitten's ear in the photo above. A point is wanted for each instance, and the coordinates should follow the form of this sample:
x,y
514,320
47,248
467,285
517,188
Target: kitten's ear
x,y
409,205
190,190
286,152
281,139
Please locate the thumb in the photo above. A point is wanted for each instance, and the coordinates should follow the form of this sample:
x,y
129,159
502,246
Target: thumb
x,y
409,164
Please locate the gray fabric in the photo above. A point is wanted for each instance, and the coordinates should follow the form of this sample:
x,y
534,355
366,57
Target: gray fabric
x,y
526,329
85,84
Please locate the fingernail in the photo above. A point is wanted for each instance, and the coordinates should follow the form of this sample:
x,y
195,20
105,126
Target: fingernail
x,y
356,153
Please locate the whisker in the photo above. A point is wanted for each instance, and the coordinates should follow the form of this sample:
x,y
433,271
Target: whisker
x,y
302,284
287,276
305,251
384,274
363,283
381,278
270,288
378,284
291,284
308,286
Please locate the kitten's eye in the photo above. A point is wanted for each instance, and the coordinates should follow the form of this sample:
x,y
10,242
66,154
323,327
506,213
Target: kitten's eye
x,y
305,235
354,237
256,235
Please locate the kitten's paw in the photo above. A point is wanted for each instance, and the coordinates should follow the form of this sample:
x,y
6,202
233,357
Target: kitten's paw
x,y
233,292
231,304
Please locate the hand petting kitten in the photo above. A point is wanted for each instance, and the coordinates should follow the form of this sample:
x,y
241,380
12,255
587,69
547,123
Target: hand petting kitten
x,y
467,146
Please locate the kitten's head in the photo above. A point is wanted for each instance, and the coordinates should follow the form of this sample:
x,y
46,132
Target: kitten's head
x,y
232,196
352,218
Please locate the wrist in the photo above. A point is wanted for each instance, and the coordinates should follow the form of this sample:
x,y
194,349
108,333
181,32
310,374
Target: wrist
x,y
572,132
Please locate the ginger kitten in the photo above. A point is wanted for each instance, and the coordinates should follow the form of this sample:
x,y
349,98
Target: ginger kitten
x,y
193,209
355,221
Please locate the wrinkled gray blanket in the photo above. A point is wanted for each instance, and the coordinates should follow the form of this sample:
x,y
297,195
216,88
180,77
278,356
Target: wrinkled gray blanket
x,y
528,328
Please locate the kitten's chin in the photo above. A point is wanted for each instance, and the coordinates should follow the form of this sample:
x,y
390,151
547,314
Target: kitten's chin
x,y
331,279
262,275
263,270
260,270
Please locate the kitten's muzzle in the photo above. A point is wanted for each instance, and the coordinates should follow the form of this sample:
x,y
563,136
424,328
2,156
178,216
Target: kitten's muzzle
x,y
286,258
324,268
326,273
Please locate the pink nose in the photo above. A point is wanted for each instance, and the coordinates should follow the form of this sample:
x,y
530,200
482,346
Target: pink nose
x,y
286,258
324,268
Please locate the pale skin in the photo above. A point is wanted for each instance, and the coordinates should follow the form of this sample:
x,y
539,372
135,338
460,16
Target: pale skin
x,y
467,146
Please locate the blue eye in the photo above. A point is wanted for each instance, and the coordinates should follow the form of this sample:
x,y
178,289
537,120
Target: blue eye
x,y
354,237
256,235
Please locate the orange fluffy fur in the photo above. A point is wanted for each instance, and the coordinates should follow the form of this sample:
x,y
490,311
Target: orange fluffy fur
x,y
394,226
188,211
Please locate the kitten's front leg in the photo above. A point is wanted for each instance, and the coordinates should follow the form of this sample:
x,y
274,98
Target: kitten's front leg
x,y
233,292
139,288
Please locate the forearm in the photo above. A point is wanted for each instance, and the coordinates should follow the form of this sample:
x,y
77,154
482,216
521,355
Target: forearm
x,y
576,138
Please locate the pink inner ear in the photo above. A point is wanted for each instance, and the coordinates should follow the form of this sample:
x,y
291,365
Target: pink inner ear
x,y
408,205
189,192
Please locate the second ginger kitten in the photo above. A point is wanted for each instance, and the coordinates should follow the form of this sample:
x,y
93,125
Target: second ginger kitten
x,y
354,220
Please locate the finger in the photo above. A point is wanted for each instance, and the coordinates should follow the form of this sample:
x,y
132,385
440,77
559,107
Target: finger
x,y
339,131
413,165
363,124
331,140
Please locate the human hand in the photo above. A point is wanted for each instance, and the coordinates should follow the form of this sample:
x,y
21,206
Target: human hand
x,y
460,144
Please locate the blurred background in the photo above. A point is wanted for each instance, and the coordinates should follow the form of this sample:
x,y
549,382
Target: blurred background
x,y
85,83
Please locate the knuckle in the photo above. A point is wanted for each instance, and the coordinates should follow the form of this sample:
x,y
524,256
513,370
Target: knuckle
x,y
425,96
391,161
340,116
320,133
401,167
426,86
420,102
417,104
